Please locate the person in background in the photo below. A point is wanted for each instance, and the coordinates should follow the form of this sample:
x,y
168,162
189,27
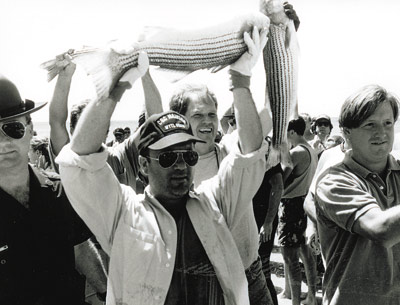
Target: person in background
x,y
357,205
228,121
118,137
322,128
292,218
308,134
39,153
333,141
127,133
265,208
38,227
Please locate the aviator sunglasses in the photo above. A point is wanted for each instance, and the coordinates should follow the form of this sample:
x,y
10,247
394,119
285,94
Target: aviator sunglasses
x,y
168,158
14,129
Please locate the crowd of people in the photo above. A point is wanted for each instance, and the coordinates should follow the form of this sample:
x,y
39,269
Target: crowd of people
x,y
186,209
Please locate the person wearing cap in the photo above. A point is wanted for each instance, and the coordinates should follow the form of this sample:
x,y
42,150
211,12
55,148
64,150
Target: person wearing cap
x,y
357,205
118,137
322,128
127,133
38,227
308,134
172,243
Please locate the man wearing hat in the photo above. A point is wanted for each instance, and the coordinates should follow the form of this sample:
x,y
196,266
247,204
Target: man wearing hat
x,y
171,245
38,227
322,128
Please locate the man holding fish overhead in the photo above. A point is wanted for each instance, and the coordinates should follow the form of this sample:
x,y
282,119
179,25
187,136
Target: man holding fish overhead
x,y
171,245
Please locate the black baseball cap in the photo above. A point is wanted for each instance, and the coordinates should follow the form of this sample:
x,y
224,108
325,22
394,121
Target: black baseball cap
x,y
165,129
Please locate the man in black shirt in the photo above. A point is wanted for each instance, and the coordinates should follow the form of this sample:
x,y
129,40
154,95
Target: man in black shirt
x,y
38,227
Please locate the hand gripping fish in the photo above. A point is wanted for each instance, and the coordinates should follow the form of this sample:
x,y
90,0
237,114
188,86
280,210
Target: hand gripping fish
x,y
281,67
211,48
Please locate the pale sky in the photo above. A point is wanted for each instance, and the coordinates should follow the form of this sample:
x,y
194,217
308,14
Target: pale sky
x,y
345,44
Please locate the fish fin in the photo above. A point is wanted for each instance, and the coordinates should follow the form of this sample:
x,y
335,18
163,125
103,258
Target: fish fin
x,y
290,36
96,63
218,68
172,76
52,69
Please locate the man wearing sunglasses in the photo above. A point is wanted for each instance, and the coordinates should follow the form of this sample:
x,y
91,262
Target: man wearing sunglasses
x,y
322,128
171,245
38,227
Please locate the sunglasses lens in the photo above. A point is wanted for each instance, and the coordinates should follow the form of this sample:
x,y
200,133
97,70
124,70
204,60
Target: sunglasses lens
x,y
167,159
191,157
15,130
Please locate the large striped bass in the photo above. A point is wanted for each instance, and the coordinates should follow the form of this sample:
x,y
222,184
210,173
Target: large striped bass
x,y
281,67
214,47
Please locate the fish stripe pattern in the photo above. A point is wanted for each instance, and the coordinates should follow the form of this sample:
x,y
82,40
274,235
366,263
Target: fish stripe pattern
x,y
215,47
281,67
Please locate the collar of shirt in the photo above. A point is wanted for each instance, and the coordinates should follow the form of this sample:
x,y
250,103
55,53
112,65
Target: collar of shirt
x,y
356,167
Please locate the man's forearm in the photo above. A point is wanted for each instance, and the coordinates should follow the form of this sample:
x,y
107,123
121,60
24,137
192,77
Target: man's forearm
x,y
92,126
247,120
309,207
274,198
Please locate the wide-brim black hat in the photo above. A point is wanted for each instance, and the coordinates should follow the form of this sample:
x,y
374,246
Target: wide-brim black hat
x,y
11,103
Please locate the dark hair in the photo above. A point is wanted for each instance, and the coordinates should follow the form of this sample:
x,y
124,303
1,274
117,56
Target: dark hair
x,y
297,125
363,103
76,112
179,101
41,144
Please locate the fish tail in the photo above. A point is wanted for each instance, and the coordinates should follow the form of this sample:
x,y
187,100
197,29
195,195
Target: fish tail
x,y
274,157
279,154
52,69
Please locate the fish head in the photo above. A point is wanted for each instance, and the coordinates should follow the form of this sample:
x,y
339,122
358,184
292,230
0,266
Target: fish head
x,y
274,10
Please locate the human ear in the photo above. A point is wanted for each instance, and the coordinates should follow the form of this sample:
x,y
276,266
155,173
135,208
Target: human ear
x,y
144,165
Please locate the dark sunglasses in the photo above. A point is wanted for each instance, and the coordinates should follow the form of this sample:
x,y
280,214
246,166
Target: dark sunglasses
x,y
326,124
168,158
14,130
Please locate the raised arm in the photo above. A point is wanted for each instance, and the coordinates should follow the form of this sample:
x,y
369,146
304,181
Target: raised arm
x,y
58,108
95,121
247,119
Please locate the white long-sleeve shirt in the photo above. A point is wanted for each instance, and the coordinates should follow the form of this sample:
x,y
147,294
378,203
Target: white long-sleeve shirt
x,y
140,235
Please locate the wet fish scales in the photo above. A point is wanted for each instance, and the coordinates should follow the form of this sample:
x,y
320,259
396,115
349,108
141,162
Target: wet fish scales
x,y
281,68
215,47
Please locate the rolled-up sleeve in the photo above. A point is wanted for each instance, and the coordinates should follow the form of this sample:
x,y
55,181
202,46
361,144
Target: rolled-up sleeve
x,y
238,179
93,190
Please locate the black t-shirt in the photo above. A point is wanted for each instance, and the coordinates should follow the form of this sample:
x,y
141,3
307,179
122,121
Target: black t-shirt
x,y
37,263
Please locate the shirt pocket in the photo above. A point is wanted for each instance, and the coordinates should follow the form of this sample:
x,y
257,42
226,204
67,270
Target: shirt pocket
x,y
134,253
